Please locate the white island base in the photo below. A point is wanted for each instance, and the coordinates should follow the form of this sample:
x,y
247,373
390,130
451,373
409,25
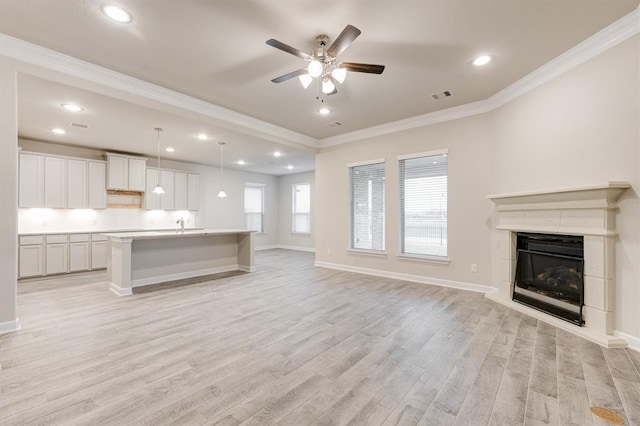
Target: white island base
x,y
143,258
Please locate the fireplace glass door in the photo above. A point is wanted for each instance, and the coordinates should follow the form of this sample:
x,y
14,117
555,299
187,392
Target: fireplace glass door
x,y
550,282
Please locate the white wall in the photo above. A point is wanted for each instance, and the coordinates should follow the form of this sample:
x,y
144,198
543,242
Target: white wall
x,y
286,238
9,205
579,129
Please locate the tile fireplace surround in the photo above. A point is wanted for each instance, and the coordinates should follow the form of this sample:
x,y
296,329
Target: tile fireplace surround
x,y
587,211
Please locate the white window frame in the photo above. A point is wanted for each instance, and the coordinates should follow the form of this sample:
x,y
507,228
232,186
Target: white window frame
x,y
260,186
295,213
351,248
412,256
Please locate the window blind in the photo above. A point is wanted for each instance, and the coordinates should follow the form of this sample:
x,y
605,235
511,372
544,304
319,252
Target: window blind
x,y
301,203
367,207
254,207
423,204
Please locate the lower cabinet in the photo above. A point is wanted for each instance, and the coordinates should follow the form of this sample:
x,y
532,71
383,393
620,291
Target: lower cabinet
x,y
57,254
98,252
41,255
79,252
31,261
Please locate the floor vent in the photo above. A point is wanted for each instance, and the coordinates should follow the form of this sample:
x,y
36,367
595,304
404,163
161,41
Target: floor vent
x,y
445,94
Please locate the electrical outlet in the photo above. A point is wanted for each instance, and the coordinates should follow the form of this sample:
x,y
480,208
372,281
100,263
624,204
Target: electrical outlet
x,y
474,267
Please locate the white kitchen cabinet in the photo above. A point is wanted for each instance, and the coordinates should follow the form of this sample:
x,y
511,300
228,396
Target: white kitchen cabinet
x,y
57,250
166,199
79,252
31,181
180,190
31,256
117,172
97,190
98,252
55,184
193,191
77,184
151,200
126,173
137,174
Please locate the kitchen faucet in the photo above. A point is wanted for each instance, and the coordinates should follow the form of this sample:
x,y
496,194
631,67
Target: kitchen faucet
x,y
181,222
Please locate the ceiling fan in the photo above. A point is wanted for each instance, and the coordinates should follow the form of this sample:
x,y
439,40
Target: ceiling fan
x,y
323,63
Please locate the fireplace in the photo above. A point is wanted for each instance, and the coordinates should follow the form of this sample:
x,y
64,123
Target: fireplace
x,y
549,274
583,216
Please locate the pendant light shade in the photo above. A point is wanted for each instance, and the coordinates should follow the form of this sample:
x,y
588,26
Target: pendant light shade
x,y
221,193
158,189
305,80
328,86
315,68
339,74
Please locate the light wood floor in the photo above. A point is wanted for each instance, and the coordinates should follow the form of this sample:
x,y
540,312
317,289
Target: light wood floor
x,y
296,345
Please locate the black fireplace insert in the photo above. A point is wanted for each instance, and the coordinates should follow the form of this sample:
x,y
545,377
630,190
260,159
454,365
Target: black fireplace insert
x,y
549,274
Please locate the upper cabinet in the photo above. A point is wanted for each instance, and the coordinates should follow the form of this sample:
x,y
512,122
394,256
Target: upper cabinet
x,y
180,190
60,182
31,181
193,191
126,173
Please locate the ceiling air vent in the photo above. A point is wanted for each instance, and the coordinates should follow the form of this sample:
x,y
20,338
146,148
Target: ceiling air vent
x,y
335,124
445,94
80,125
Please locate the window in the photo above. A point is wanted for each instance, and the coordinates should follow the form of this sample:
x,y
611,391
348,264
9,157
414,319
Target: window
x,y
367,206
254,206
301,203
423,204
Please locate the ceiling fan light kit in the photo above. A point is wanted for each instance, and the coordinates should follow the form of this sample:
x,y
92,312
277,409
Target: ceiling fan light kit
x,y
323,63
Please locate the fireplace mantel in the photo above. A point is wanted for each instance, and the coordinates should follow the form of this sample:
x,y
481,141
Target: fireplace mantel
x,y
589,211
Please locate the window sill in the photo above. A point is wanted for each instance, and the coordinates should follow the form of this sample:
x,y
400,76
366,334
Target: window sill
x,y
423,258
375,253
303,234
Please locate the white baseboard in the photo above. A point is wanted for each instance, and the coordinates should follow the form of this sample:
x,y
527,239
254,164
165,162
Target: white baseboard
x,y
119,290
606,340
266,248
408,277
9,326
634,342
183,275
285,247
245,268
297,248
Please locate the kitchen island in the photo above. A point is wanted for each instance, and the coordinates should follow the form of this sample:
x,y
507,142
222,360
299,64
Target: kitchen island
x,y
152,257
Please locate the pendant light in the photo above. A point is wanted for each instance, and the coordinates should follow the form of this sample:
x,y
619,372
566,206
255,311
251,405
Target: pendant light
x,y
158,189
222,194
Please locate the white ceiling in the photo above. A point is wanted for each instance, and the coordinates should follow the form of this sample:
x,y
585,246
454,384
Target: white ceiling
x,y
215,51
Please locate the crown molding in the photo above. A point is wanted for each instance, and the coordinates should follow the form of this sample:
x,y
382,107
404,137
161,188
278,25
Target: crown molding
x,y
55,61
621,30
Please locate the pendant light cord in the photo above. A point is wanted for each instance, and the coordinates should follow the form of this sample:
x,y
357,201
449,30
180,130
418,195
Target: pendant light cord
x,y
222,165
158,130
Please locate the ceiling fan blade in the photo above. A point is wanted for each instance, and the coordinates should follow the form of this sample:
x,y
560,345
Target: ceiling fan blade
x,y
343,41
368,68
290,75
286,48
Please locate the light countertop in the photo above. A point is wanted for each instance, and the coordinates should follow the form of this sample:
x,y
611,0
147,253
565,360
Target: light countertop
x,y
146,235
103,231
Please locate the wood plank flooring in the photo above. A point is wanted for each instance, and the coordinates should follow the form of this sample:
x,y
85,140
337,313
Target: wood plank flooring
x,y
296,345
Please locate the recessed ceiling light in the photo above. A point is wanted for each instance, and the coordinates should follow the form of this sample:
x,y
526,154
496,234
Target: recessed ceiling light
x,y
277,154
482,60
58,131
117,14
72,107
203,136
241,162
170,149
290,167
324,111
